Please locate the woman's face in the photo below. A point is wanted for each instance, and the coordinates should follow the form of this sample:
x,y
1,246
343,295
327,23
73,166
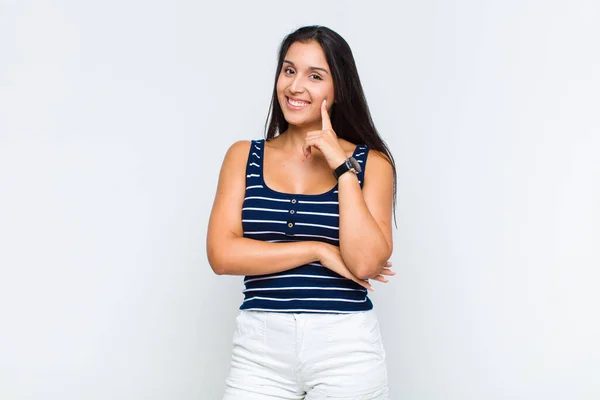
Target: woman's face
x,y
304,81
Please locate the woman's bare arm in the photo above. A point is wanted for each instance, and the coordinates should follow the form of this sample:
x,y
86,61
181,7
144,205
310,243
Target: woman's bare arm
x,y
228,251
366,217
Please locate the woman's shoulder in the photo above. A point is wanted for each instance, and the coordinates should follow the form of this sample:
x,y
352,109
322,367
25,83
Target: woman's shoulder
x,y
346,145
373,154
239,147
242,146
238,151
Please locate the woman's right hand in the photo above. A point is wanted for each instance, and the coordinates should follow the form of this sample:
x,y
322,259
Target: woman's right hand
x,y
330,257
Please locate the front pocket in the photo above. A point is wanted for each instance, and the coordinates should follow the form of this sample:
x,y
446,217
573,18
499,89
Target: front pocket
x,y
356,332
250,332
370,328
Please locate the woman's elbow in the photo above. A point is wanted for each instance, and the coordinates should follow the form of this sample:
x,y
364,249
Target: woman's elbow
x,y
372,267
367,272
218,270
215,261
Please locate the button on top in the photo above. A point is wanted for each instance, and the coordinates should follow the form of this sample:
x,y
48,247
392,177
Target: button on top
x,y
290,224
292,211
293,201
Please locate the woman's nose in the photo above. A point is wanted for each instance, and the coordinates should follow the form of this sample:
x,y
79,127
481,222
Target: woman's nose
x,y
297,85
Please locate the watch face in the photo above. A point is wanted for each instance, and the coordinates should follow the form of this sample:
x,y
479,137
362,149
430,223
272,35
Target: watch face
x,y
355,164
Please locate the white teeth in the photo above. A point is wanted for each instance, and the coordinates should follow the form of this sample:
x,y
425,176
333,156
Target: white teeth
x,y
297,103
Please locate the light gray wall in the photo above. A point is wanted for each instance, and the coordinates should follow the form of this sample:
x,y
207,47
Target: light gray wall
x,y
115,117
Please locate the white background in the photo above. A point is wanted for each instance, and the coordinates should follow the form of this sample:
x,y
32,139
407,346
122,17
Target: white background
x,y
115,117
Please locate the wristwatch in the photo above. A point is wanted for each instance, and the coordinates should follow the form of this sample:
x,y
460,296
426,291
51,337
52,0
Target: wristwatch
x,y
349,165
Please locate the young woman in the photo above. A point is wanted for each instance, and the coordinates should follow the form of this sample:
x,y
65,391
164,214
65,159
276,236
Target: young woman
x,y
301,216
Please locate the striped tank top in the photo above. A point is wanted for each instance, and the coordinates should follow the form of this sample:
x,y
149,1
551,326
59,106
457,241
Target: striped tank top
x,y
278,217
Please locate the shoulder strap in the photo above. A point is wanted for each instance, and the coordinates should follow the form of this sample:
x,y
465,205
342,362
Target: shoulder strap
x,y
360,154
254,164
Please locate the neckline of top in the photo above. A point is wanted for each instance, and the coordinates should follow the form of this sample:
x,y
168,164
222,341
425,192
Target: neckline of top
x,y
265,186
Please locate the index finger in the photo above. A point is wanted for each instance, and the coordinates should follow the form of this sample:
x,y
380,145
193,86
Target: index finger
x,y
325,116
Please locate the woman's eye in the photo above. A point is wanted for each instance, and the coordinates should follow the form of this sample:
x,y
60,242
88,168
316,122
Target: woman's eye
x,y
317,77
288,70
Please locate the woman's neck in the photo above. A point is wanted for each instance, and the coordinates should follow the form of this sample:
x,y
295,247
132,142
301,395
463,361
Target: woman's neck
x,y
293,138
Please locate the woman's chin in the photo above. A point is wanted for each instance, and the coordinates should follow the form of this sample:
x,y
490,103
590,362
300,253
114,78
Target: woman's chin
x,y
299,122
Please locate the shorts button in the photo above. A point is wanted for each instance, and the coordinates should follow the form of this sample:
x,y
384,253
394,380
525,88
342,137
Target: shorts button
x,y
293,201
292,211
290,224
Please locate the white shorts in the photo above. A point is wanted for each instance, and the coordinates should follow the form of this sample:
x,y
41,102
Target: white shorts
x,y
307,356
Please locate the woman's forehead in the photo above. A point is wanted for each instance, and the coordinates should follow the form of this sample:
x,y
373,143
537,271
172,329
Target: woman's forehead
x,y
306,54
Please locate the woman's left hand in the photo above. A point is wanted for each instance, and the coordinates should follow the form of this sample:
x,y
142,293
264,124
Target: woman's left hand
x,y
326,141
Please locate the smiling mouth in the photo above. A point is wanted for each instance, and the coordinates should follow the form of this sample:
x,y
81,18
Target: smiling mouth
x,y
297,103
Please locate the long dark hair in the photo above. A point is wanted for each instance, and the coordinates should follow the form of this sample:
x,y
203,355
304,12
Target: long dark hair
x,y
350,116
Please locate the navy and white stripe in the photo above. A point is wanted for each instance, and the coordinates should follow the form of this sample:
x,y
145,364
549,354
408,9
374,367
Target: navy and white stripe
x,y
277,217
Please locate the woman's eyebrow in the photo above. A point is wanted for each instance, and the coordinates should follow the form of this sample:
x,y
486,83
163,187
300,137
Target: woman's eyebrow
x,y
311,68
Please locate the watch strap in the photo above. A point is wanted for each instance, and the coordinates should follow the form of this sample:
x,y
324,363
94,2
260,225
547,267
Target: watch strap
x,y
346,166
